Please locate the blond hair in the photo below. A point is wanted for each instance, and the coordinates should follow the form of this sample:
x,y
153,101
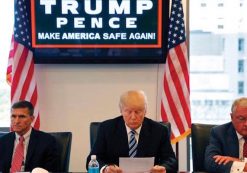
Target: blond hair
x,y
138,94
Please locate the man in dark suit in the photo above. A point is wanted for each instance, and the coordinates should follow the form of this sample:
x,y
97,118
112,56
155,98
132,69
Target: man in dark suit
x,y
39,148
227,149
152,138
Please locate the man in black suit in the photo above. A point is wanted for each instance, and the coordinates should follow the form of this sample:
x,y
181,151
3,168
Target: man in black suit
x,y
39,148
227,149
152,138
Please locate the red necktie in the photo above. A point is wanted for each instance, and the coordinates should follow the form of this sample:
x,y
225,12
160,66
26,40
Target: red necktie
x,y
245,148
18,156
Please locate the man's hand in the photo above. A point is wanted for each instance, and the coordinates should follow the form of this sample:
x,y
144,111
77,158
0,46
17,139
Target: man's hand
x,y
158,169
224,159
112,169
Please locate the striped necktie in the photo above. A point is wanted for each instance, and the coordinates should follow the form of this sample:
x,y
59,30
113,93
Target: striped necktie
x,y
132,144
18,156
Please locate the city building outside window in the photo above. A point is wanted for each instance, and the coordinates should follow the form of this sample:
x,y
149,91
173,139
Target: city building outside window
x,y
217,76
217,58
220,4
240,44
241,66
241,87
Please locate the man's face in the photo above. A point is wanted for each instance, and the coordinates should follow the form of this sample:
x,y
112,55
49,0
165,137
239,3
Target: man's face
x,y
133,115
21,120
239,120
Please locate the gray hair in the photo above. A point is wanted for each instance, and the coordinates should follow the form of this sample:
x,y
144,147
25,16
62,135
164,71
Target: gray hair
x,y
239,102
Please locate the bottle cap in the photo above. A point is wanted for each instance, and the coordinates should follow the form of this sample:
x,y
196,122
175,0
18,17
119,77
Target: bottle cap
x,y
93,157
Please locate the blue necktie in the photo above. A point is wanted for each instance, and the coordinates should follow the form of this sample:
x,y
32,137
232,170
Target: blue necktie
x,y
132,144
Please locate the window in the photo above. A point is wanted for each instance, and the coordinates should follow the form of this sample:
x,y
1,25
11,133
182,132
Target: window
x,y
241,3
212,52
6,18
241,66
220,4
208,102
217,77
220,26
223,44
240,44
241,87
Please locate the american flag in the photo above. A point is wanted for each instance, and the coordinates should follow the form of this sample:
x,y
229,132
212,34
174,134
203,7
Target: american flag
x,y
20,70
175,97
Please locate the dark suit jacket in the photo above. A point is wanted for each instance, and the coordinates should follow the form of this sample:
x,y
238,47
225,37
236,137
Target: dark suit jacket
x,y
223,141
41,152
154,141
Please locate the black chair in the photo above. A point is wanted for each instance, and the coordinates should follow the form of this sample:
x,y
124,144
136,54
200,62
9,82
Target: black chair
x,y
94,126
168,126
4,129
64,145
2,133
200,134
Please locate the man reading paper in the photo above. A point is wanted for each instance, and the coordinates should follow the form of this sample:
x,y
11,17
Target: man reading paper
x,y
133,135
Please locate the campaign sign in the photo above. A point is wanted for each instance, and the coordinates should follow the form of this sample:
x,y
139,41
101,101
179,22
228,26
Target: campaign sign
x,y
98,23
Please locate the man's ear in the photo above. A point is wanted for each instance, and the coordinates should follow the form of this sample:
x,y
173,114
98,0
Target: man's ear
x,y
32,118
145,111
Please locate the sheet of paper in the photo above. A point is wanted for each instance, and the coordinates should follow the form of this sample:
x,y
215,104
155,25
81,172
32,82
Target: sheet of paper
x,y
136,165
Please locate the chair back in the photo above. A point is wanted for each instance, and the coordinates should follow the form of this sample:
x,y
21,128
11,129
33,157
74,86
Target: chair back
x,y
2,133
168,126
200,134
4,129
94,126
64,145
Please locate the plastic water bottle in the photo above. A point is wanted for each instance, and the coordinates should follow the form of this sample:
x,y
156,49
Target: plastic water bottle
x,y
93,165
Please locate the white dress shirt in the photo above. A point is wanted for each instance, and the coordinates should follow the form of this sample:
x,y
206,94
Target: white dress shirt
x,y
137,134
26,142
238,167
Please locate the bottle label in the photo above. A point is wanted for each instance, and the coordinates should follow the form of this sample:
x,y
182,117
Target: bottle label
x,y
93,170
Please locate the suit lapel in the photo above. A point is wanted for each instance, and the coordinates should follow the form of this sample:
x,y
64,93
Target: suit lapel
x,y
31,146
123,141
232,140
143,139
10,148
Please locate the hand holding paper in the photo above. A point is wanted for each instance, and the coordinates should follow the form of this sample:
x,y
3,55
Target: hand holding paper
x,y
158,169
112,169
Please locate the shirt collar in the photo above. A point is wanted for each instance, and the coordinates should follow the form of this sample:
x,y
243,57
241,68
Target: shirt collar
x,y
26,135
136,130
239,136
